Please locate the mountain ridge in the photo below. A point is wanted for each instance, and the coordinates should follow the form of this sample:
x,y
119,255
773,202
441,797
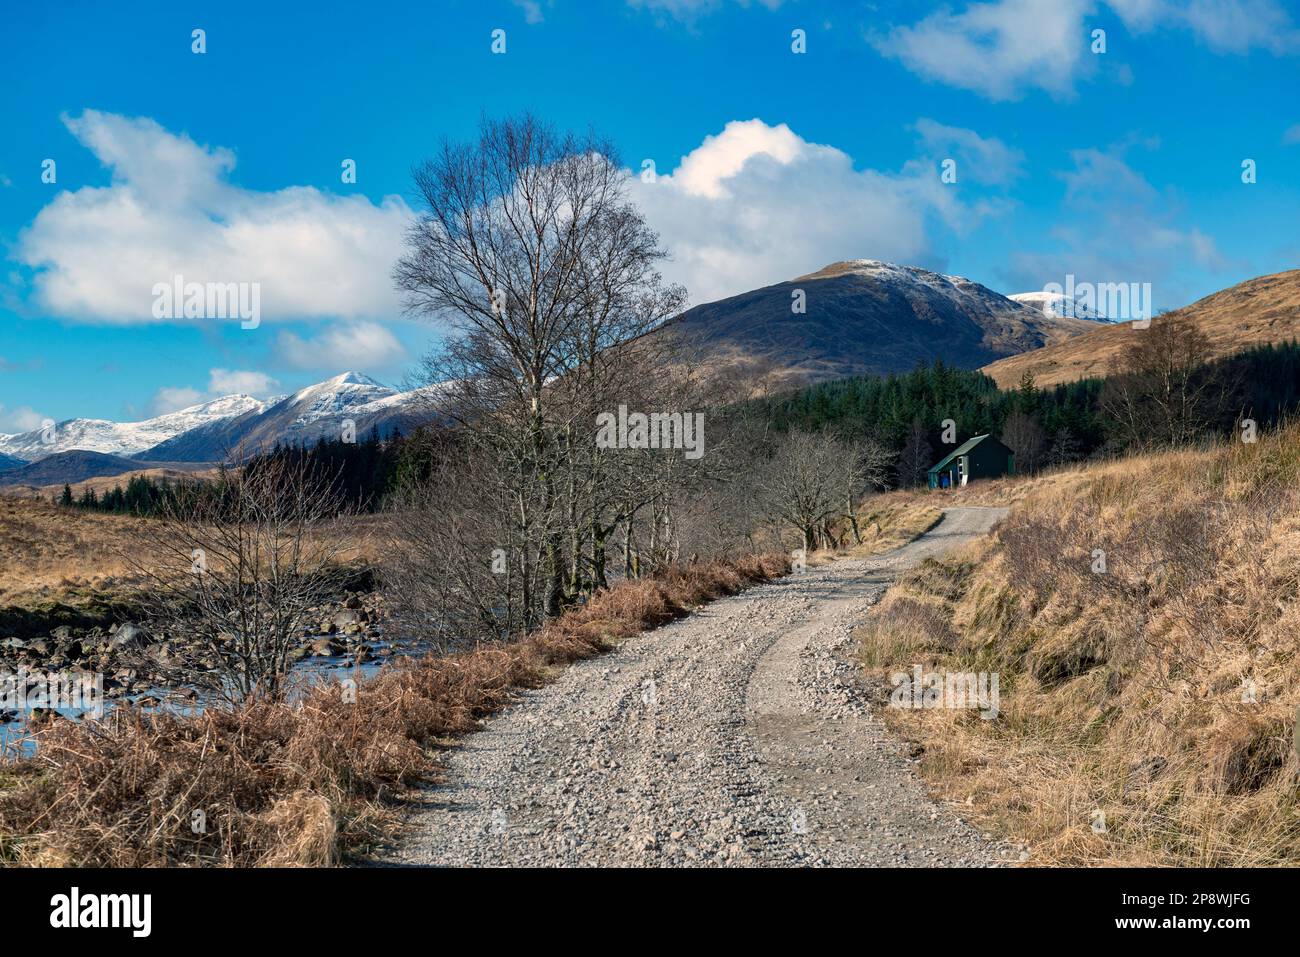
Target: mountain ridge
x,y
209,430
1265,309
350,400
122,438
78,465
865,316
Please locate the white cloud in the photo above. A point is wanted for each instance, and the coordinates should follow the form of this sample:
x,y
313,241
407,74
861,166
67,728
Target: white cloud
x,y
21,419
979,159
1292,135
718,158
758,204
360,345
997,49
221,382
226,381
1100,178
532,10
174,398
689,10
1225,26
170,209
1005,48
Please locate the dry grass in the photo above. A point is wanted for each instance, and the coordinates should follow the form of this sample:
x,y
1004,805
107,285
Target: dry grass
x,y
61,564
45,549
888,524
106,483
302,784
996,492
1261,310
1122,692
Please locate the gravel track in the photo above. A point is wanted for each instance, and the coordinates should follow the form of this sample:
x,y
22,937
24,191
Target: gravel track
x,y
736,736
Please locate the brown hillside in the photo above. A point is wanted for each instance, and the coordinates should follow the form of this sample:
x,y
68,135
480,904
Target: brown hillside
x,y
106,483
1262,310
862,317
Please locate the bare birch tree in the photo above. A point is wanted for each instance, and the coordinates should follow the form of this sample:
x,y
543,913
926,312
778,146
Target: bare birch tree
x,y
1161,390
239,569
527,249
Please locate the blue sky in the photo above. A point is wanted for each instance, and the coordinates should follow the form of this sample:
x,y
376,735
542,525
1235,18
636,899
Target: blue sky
x,y
1122,165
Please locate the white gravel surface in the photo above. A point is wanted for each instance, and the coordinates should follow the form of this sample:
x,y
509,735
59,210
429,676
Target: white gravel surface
x,y
737,736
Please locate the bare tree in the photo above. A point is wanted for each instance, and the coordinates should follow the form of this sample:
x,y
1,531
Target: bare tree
x,y
804,483
528,249
497,252
866,468
1022,434
1162,390
1065,447
455,556
239,569
916,457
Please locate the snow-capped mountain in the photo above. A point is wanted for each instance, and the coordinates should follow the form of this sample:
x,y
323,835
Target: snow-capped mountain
x,y
1055,304
336,397
348,402
864,317
225,428
123,438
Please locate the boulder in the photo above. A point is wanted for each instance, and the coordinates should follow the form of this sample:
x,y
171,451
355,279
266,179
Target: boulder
x,y
325,647
342,619
127,637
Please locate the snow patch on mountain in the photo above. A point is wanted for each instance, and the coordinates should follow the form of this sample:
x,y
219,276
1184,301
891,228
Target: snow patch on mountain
x,y
345,395
1055,304
123,438
957,289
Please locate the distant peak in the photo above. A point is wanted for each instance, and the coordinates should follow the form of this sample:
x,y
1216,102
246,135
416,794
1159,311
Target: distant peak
x,y
234,402
876,267
353,378
340,382
1054,304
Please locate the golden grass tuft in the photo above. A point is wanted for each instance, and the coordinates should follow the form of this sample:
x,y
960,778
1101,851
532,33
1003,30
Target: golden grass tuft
x,y
893,522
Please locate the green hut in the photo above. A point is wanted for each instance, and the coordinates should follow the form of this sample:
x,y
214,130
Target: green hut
x,y
980,457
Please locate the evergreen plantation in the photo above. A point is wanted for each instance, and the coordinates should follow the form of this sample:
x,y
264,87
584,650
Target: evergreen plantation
x,y
1261,383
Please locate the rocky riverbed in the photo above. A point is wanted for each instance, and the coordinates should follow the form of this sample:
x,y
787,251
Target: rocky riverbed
x,y
343,633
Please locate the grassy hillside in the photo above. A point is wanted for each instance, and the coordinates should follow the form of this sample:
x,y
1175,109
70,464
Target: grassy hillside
x,y
45,549
106,483
65,565
1262,310
1157,697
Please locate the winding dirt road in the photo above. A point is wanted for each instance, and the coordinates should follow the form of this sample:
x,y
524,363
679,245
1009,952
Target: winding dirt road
x,y
736,736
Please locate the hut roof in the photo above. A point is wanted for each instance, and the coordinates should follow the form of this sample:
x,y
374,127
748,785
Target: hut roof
x,y
959,450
